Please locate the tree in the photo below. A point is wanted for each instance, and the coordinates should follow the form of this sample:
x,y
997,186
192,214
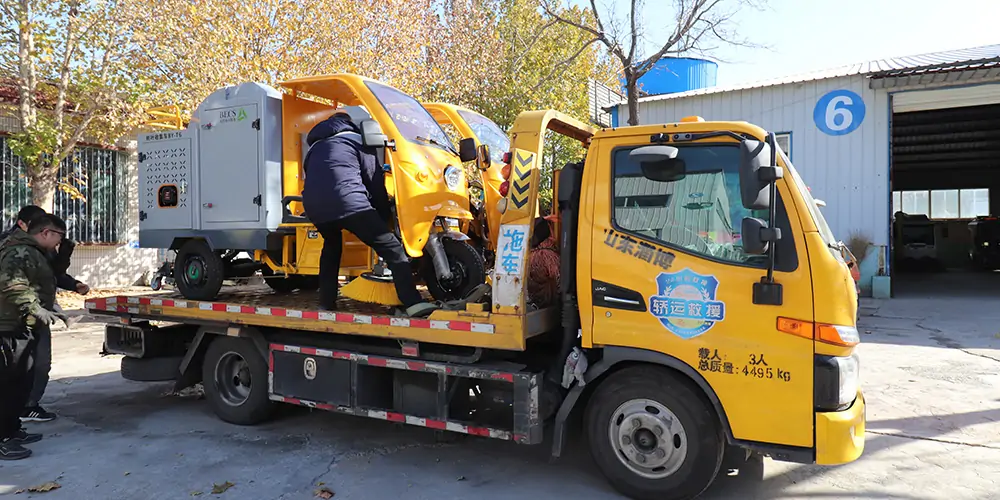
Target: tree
x,y
697,22
228,42
72,82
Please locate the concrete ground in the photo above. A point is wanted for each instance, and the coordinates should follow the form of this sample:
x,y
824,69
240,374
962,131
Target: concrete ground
x,y
930,371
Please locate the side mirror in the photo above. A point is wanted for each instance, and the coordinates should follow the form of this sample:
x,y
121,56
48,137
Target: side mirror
x,y
467,149
659,163
757,174
372,135
483,160
756,236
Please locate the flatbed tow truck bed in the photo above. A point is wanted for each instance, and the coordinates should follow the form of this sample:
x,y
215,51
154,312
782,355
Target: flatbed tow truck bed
x,y
359,360
259,306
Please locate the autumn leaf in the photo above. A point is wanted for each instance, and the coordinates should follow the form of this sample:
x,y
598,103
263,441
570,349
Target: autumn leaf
x,y
324,493
45,487
218,489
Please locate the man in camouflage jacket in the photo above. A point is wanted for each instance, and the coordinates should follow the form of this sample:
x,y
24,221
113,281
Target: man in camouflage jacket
x,y
27,300
60,261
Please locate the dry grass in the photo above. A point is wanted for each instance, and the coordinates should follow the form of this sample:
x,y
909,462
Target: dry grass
x,y
859,244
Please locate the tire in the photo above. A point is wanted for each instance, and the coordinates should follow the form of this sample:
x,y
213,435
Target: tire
x,y
198,271
643,395
151,369
156,283
283,284
234,374
467,267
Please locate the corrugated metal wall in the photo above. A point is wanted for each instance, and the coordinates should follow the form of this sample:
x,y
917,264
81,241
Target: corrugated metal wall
x,y
850,172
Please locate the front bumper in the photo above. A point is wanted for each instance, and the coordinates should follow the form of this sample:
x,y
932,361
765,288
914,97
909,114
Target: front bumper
x,y
840,435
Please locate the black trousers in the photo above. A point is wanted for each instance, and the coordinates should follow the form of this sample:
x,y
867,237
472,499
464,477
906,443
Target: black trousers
x,y
16,378
372,231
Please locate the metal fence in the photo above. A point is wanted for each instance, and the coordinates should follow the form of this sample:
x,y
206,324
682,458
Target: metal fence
x,y
93,199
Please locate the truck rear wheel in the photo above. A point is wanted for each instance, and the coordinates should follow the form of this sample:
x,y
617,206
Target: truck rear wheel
x,y
198,271
653,436
234,374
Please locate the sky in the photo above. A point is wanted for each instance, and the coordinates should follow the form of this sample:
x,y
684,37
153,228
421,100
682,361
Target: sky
x,y
804,35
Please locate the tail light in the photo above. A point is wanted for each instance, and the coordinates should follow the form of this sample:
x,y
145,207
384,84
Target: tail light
x,y
506,157
504,188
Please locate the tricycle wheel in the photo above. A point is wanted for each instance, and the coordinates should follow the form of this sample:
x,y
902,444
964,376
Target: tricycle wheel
x,y
467,268
198,271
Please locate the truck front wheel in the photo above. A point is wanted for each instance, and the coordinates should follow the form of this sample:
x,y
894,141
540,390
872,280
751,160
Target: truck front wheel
x,y
234,374
653,436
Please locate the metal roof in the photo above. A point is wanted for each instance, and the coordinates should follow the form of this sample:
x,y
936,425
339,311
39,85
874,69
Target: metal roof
x,y
987,56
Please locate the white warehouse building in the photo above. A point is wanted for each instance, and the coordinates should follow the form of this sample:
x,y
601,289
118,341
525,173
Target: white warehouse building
x,y
918,134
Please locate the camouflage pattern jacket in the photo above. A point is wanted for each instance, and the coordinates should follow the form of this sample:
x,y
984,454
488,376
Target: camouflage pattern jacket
x,y
27,283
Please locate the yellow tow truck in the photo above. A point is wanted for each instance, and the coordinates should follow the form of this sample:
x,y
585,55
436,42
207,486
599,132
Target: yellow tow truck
x,y
705,316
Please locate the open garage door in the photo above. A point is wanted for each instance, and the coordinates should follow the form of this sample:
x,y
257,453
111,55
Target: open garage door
x,y
945,191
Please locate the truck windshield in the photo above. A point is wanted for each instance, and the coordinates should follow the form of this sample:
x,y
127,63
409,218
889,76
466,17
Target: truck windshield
x,y
824,229
415,124
488,133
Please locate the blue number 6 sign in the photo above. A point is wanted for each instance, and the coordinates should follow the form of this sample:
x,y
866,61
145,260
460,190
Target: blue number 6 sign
x,y
839,112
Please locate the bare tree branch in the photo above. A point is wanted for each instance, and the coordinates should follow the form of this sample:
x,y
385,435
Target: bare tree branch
x,y
634,32
534,40
566,62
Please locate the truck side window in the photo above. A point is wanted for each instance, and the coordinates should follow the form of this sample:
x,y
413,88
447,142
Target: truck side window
x,y
700,212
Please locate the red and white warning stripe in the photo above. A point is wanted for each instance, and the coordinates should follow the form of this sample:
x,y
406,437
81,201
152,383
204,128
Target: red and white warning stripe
x,y
124,304
389,416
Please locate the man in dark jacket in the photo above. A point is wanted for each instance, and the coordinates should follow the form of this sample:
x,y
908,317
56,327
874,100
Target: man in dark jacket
x,y
345,189
27,304
59,260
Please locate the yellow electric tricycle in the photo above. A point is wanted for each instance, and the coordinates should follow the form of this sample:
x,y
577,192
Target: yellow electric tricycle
x,y
230,184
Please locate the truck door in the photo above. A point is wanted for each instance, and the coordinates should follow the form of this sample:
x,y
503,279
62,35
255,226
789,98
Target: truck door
x,y
669,275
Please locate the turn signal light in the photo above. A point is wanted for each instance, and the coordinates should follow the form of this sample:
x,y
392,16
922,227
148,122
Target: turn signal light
x,y
846,336
504,188
505,172
692,119
796,327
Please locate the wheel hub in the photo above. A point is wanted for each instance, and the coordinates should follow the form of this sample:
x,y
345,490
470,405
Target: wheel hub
x,y
194,272
649,438
233,379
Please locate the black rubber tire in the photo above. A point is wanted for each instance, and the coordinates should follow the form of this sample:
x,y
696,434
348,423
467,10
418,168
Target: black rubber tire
x,y
151,369
257,407
209,284
291,283
464,259
706,442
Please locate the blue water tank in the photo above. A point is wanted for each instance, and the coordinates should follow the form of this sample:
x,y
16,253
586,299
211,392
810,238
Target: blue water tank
x,y
677,74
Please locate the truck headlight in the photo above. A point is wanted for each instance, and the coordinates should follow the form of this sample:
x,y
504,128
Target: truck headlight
x,y
452,177
837,380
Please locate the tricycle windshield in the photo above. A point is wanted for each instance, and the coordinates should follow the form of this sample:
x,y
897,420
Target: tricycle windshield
x,y
488,133
415,124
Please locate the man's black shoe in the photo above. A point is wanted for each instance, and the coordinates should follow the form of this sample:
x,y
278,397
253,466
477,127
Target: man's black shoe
x,y
22,437
10,450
